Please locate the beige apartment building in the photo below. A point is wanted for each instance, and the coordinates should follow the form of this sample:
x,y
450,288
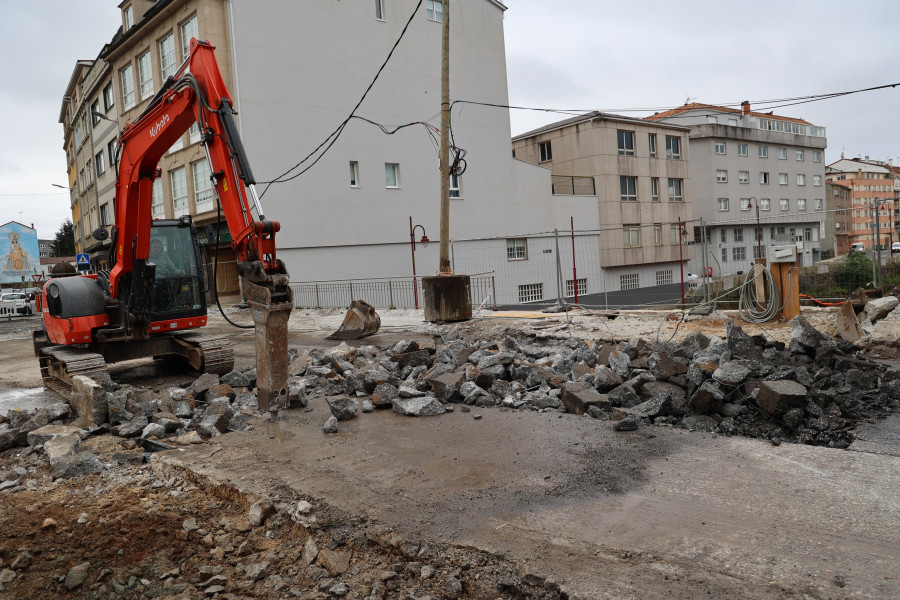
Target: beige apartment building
x,y
870,184
639,172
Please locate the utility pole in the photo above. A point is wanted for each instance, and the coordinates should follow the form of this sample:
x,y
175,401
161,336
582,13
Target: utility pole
x,y
878,237
445,140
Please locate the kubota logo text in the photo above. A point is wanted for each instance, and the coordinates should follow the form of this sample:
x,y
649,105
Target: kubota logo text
x,y
162,122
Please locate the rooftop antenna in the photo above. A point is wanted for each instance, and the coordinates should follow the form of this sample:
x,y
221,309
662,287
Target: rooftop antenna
x,y
688,99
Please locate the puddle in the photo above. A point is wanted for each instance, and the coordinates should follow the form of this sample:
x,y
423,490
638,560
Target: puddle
x,y
26,399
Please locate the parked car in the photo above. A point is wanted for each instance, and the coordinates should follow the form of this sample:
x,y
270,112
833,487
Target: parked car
x,y
895,248
857,247
15,303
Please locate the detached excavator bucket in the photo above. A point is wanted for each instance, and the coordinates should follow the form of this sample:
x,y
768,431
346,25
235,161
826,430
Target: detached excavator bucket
x,y
360,321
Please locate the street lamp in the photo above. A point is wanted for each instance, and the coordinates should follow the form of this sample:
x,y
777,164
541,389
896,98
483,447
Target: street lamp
x,y
100,115
59,186
412,244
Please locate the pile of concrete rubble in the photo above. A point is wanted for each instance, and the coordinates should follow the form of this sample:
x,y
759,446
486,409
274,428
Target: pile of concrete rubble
x,y
812,391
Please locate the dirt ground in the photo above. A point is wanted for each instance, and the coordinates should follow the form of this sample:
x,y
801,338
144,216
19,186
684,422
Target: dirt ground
x,y
500,507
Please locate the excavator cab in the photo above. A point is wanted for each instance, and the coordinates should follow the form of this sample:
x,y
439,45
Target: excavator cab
x,y
178,287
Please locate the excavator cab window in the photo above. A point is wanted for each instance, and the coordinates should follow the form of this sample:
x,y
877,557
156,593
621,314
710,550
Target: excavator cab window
x,y
178,287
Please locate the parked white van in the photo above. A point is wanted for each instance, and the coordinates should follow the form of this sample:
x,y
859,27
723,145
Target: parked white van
x,y
857,247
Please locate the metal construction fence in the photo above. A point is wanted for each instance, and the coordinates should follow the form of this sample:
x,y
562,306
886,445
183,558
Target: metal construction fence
x,y
388,292
651,265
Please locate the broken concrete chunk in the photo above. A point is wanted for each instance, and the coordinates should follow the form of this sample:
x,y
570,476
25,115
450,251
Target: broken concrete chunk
x,y
61,446
76,465
739,342
427,406
624,396
656,406
662,367
331,425
731,374
89,401
700,423
804,334
342,407
778,397
707,399
578,396
878,308
384,395
134,427
153,430
259,512
51,432
629,423
618,362
202,384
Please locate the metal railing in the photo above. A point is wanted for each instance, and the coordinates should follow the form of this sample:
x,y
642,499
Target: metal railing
x,y
393,292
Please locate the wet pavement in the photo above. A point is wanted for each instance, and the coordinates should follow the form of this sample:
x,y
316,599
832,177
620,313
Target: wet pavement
x,y
25,398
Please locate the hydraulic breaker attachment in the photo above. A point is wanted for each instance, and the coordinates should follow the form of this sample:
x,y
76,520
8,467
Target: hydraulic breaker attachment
x,y
271,321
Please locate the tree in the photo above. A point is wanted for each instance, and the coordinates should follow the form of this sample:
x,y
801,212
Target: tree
x,y
855,272
64,241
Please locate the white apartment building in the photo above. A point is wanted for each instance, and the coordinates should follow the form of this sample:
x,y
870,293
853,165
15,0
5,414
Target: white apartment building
x,y
743,161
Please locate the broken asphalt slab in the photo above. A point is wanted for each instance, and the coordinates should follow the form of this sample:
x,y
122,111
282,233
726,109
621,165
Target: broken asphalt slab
x,y
601,513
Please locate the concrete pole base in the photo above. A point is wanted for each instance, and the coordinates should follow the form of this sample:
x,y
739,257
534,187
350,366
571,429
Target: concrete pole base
x,y
447,298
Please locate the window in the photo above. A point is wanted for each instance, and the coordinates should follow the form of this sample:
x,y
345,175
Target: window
x,y
203,192
89,171
157,207
798,154
673,147
167,56
99,163
188,31
379,10
108,100
782,179
817,180
817,156
530,292
738,234
801,179
745,204
194,134
723,235
807,234
782,154
742,149
719,147
652,138
111,150
763,151
570,288
657,235
733,122
95,112
354,174
626,143
723,204
738,253
94,223
744,176
391,175
698,236
81,181
435,10
759,251
721,176
145,75
516,249
664,277
632,236
654,189
820,203
675,190
712,119
675,236
104,214
546,151
628,189
765,204
127,76
785,204
724,254
454,185
128,13
801,204
178,180
764,177
629,281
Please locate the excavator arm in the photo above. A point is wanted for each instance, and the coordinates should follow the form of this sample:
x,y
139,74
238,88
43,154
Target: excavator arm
x,y
196,93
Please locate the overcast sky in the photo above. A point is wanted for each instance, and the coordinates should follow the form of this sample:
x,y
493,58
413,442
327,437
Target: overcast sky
x,y
567,54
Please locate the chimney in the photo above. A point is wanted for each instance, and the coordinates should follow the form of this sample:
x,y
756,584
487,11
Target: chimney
x,y
745,107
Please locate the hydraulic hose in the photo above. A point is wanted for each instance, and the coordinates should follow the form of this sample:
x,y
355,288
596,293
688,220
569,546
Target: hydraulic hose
x,y
750,307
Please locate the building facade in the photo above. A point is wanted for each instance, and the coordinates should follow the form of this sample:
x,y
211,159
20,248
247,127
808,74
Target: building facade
x,y
296,71
639,172
871,185
758,179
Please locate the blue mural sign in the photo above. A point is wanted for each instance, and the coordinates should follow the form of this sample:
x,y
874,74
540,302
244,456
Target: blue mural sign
x,y
19,254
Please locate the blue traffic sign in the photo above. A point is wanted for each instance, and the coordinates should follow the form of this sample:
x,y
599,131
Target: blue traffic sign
x,y
83,262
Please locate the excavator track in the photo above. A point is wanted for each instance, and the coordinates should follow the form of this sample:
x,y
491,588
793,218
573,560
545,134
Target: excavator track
x,y
59,364
216,351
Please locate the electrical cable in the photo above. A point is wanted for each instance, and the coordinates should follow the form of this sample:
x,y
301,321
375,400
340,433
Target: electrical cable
x,y
749,306
216,268
334,135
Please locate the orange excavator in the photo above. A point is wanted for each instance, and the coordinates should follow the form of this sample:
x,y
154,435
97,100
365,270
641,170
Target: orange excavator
x,y
152,302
